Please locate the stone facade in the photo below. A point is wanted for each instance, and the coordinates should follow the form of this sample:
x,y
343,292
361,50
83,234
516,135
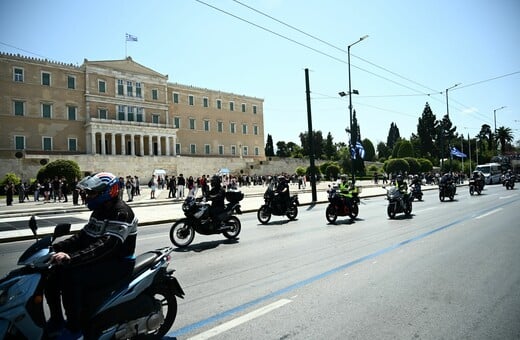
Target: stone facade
x,y
119,111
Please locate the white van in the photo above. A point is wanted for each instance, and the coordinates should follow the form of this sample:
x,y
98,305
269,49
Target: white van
x,y
491,171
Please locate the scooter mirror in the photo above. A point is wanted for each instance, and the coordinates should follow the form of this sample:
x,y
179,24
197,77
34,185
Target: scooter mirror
x,y
33,225
61,229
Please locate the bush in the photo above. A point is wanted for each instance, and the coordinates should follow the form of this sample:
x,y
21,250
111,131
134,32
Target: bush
x,y
396,165
61,168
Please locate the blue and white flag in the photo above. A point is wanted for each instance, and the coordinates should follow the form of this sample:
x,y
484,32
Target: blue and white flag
x,y
357,151
455,152
130,37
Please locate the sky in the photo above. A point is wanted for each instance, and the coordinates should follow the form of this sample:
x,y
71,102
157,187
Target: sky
x,y
414,51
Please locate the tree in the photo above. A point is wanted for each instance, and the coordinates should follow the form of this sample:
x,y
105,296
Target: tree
x,y
269,148
405,149
61,168
445,134
282,150
425,165
317,141
383,152
414,166
393,136
426,133
505,137
370,153
329,148
396,166
295,150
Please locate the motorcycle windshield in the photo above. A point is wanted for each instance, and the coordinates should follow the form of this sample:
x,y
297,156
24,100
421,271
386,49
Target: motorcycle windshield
x,y
38,249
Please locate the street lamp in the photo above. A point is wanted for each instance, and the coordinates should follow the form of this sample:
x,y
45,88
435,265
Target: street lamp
x,y
495,118
352,142
442,126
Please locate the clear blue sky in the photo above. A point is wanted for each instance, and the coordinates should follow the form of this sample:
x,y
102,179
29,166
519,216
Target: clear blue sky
x,y
415,50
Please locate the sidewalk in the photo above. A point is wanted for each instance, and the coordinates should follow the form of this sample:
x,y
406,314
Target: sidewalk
x,y
154,211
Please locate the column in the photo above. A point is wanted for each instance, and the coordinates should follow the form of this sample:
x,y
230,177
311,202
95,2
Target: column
x,y
123,146
93,142
141,144
113,143
132,143
175,145
103,141
167,145
159,152
150,145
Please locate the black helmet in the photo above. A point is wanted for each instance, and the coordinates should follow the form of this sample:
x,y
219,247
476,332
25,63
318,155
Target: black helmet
x,y
399,179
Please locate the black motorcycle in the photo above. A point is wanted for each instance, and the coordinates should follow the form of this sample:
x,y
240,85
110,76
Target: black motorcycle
x,y
509,181
273,206
398,202
198,220
447,190
416,192
475,185
340,205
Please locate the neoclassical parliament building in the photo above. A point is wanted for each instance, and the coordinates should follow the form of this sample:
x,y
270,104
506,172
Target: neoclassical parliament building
x,y
51,110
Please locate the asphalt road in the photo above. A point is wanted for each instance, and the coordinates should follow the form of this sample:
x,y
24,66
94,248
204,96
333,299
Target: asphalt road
x,y
449,271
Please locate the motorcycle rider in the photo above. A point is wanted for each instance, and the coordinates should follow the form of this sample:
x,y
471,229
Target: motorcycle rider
x,y
282,193
216,195
402,186
99,255
344,190
478,177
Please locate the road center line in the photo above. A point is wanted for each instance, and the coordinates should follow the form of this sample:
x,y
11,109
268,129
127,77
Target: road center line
x,y
240,320
488,213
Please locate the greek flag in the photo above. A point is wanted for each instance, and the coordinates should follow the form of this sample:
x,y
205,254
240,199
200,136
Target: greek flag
x,y
455,152
357,151
130,37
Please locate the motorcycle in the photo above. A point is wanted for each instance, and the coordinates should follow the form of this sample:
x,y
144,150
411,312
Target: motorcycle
x,y
198,220
509,182
398,203
272,206
475,186
416,192
342,206
447,190
143,305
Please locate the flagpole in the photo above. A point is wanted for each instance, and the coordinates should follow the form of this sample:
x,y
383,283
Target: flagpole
x,y
126,44
469,145
462,150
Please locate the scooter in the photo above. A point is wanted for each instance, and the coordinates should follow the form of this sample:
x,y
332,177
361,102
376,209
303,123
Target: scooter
x,y
144,305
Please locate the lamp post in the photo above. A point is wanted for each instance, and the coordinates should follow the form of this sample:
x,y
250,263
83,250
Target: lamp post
x,y
495,119
352,142
442,134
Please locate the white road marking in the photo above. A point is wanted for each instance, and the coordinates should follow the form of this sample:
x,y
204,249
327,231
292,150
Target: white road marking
x,y
488,213
240,320
506,197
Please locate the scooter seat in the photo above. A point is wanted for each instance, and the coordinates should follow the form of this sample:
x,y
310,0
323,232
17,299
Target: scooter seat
x,y
143,260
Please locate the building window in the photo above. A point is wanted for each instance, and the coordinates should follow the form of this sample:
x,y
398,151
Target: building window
x,y
243,107
254,109
155,94
121,112
73,144
102,114
255,130
175,98
140,114
233,150
71,82
190,100
207,149
18,75
244,129
193,149
129,89
221,150
177,122
47,143
257,151
177,149
130,114
19,142
233,127
71,112
219,104
205,102
156,119
138,92
46,78
245,151
19,108
102,86
120,87
206,125
192,123
47,110
231,106
220,126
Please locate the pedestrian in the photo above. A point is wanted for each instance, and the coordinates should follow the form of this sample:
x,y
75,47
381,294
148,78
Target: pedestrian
x,y
21,192
121,187
128,186
153,186
75,191
137,186
9,193
56,189
181,182
172,187
64,189
37,187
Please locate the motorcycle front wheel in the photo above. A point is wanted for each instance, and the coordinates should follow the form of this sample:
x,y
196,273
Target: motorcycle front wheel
x,y
330,214
263,215
168,302
182,233
441,197
471,190
292,212
235,227
391,210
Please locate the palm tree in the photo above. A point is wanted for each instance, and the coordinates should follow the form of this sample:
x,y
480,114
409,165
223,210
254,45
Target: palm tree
x,y
505,136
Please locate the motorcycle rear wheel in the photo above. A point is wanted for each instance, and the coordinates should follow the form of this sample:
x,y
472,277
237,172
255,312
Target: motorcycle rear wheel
x,y
292,212
168,302
182,233
408,209
330,214
354,212
263,215
235,225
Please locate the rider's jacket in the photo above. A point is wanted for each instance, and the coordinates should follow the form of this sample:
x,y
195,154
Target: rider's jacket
x,y
110,233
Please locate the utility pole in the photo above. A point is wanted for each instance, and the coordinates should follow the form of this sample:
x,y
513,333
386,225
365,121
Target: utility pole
x,y
311,138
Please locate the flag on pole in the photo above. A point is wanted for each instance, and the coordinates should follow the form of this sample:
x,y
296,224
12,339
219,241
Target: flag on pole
x,y
455,152
357,151
130,37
